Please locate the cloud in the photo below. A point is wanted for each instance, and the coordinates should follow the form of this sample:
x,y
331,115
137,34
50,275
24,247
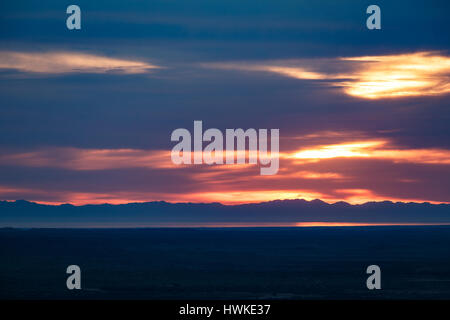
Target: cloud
x,y
288,71
416,74
375,149
369,77
89,159
70,62
350,167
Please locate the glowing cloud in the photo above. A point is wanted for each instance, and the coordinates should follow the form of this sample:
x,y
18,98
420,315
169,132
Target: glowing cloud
x,y
354,149
69,62
319,170
379,149
400,75
89,159
371,77
288,71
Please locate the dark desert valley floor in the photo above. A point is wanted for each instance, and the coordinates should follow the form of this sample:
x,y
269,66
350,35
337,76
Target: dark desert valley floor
x,y
226,263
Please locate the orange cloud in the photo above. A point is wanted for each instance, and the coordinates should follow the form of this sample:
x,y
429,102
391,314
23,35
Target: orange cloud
x,y
90,159
401,75
288,71
70,62
331,172
375,149
370,77
354,149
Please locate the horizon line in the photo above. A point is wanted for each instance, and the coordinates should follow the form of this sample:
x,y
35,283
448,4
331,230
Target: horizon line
x,y
316,224
55,204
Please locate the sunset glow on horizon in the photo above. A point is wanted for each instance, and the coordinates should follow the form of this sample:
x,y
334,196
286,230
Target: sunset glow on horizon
x,y
315,172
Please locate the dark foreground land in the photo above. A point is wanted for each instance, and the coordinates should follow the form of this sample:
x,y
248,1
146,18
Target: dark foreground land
x,y
234,263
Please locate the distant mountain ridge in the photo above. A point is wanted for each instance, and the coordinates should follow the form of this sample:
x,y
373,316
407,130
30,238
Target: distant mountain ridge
x,y
23,213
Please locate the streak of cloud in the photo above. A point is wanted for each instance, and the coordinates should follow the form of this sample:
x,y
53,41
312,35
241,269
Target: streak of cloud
x,y
89,159
369,77
354,170
70,62
378,149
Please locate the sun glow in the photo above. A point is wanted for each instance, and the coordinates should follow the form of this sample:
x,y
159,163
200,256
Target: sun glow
x,y
400,75
379,149
356,149
369,77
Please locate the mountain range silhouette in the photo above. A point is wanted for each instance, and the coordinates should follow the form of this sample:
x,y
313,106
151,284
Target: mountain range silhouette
x,y
21,213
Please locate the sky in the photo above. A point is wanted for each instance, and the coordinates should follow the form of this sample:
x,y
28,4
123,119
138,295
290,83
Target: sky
x,y
86,115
